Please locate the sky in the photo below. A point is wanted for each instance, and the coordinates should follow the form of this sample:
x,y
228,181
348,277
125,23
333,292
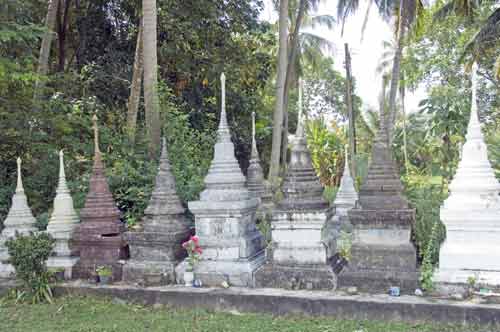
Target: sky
x,y
365,56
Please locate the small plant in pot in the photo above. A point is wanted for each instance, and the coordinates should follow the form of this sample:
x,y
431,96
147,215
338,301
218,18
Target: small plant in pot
x,y
341,258
104,273
194,251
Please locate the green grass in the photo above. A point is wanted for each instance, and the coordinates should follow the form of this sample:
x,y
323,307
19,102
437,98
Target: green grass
x,y
71,314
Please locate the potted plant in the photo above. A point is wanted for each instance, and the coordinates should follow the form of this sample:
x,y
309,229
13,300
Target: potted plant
x,y
194,251
341,258
104,273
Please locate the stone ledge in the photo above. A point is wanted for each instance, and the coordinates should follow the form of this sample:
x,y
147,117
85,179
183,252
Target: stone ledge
x,y
318,303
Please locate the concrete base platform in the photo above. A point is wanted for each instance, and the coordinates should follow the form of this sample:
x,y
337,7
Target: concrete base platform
x,y
149,272
296,277
66,263
318,303
377,281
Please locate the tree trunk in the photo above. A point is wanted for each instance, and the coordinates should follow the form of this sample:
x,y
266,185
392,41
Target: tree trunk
x,y
43,59
63,14
396,68
350,111
405,146
151,99
365,20
290,71
280,87
135,88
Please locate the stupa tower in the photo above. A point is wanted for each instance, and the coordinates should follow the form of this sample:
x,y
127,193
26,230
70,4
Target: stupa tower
x,y
471,213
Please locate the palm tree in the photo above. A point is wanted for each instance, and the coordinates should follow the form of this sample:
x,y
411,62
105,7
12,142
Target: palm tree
x,y
407,13
151,99
280,89
383,69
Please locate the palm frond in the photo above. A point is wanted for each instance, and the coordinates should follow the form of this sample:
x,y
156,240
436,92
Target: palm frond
x,y
344,9
318,21
486,37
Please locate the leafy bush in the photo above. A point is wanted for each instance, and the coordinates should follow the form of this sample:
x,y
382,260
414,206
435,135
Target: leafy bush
x,y
28,254
426,196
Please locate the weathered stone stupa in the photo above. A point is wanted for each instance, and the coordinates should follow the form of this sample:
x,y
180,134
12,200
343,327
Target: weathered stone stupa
x,y
255,178
99,237
382,254
62,225
345,200
156,250
19,220
471,213
225,218
298,254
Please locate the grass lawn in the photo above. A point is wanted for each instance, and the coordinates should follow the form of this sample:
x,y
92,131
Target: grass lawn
x,y
71,314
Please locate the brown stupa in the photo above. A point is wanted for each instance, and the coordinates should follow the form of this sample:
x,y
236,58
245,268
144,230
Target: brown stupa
x,y
99,237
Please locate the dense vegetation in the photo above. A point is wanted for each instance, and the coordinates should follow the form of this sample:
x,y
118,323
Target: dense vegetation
x,y
90,70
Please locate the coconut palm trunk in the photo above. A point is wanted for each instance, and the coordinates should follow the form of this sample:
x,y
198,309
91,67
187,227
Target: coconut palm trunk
x,y
151,99
43,59
290,75
135,87
396,70
280,88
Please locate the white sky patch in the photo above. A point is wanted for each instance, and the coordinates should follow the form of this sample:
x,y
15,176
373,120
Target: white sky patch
x,y
365,56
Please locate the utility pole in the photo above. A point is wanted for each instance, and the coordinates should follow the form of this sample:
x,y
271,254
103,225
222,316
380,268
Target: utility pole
x,y
350,111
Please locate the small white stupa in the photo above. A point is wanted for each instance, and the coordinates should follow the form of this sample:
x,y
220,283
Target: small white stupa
x,y
346,195
345,200
19,220
471,213
62,223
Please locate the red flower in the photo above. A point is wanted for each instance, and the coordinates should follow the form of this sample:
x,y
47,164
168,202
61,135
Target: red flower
x,y
185,244
195,238
198,250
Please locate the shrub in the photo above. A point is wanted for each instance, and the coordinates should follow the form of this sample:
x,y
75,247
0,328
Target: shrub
x,y
28,254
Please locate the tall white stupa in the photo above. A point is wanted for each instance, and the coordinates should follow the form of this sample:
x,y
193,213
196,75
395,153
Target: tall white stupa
x,y
62,224
471,213
19,220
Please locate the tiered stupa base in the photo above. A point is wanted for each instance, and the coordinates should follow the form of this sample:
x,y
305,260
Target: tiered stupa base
x,y
232,245
155,256
382,255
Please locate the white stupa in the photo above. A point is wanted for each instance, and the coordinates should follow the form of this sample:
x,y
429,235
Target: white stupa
x,y
19,220
346,195
62,223
471,213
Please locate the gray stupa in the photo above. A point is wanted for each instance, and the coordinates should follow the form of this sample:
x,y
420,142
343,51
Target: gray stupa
x,y
382,255
62,225
256,183
298,254
225,218
19,220
157,249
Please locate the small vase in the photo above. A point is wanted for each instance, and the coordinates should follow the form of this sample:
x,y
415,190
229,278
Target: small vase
x,y
188,278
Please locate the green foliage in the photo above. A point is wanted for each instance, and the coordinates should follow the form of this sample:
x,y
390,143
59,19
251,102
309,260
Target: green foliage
x,y
426,196
28,254
104,271
327,150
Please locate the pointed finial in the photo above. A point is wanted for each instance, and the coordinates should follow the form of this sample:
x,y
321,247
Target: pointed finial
x,y
300,130
61,164
255,153
19,180
223,117
96,134
163,147
347,171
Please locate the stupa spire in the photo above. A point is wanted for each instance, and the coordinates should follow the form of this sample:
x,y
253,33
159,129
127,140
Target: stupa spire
x,y
346,196
300,118
224,178
19,187
255,152
96,134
